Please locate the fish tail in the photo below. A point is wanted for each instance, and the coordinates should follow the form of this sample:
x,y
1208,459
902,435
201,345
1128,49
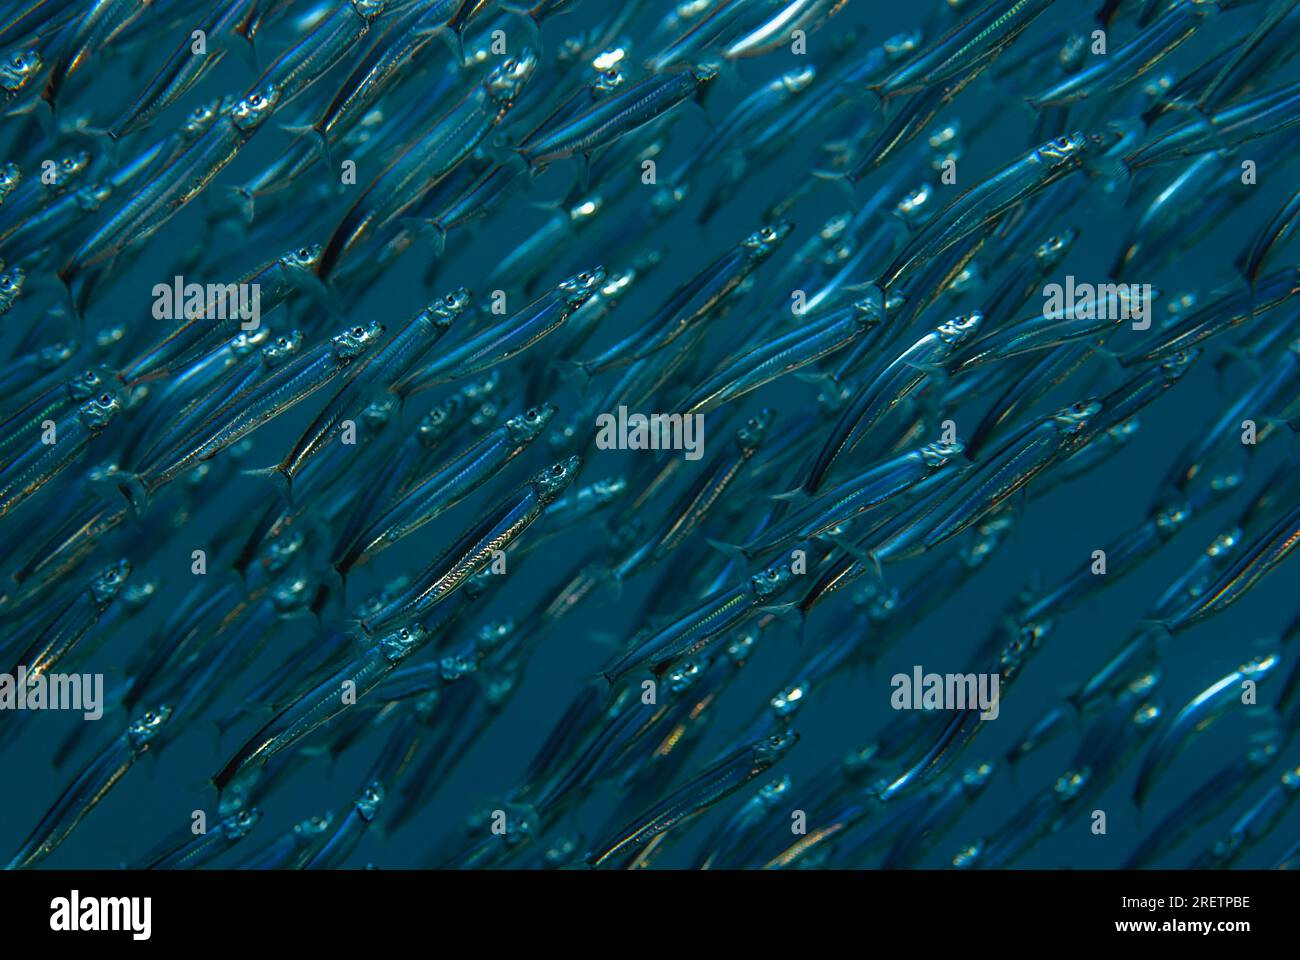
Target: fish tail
x,y
535,166
133,488
732,550
430,228
318,287
867,558
456,41
317,135
530,21
106,141
577,371
242,200
279,476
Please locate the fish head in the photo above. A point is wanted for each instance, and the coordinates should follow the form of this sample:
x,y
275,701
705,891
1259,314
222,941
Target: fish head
x,y
316,826
916,205
1258,668
1147,716
448,307
85,384
437,423
507,81
959,329
292,596
976,777
490,636
764,241
402,642
528,425
1070,783
1172,518
137,595
606,82
378,413
238,825
281,551
797,81
936,454
10,177
968,856
579,288
367,805
55,355
67,170
586,209
282,348
1067,150
369,10
253,110
98,412
303,259
608,489
146,726
1072,53
617,283
17,69
91,198
704,73
771,749
750,436
667,199
555,479
684,676
1025,639
771,581
1177,363
246,341
355,341
199,119
1052,251
108,583
1073,418
902,45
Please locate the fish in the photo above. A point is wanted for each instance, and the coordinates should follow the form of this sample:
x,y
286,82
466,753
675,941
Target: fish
x,y
89,787
723,778
882,390
452,481
506,339
478,546
425,161
283,388
68,437
1196,716
323,702
617,116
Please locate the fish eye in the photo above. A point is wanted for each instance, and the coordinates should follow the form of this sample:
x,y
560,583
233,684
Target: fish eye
x,y
357,331
557,470
105,398
531,413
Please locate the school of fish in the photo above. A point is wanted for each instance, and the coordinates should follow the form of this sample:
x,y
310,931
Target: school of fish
x,y
410,503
